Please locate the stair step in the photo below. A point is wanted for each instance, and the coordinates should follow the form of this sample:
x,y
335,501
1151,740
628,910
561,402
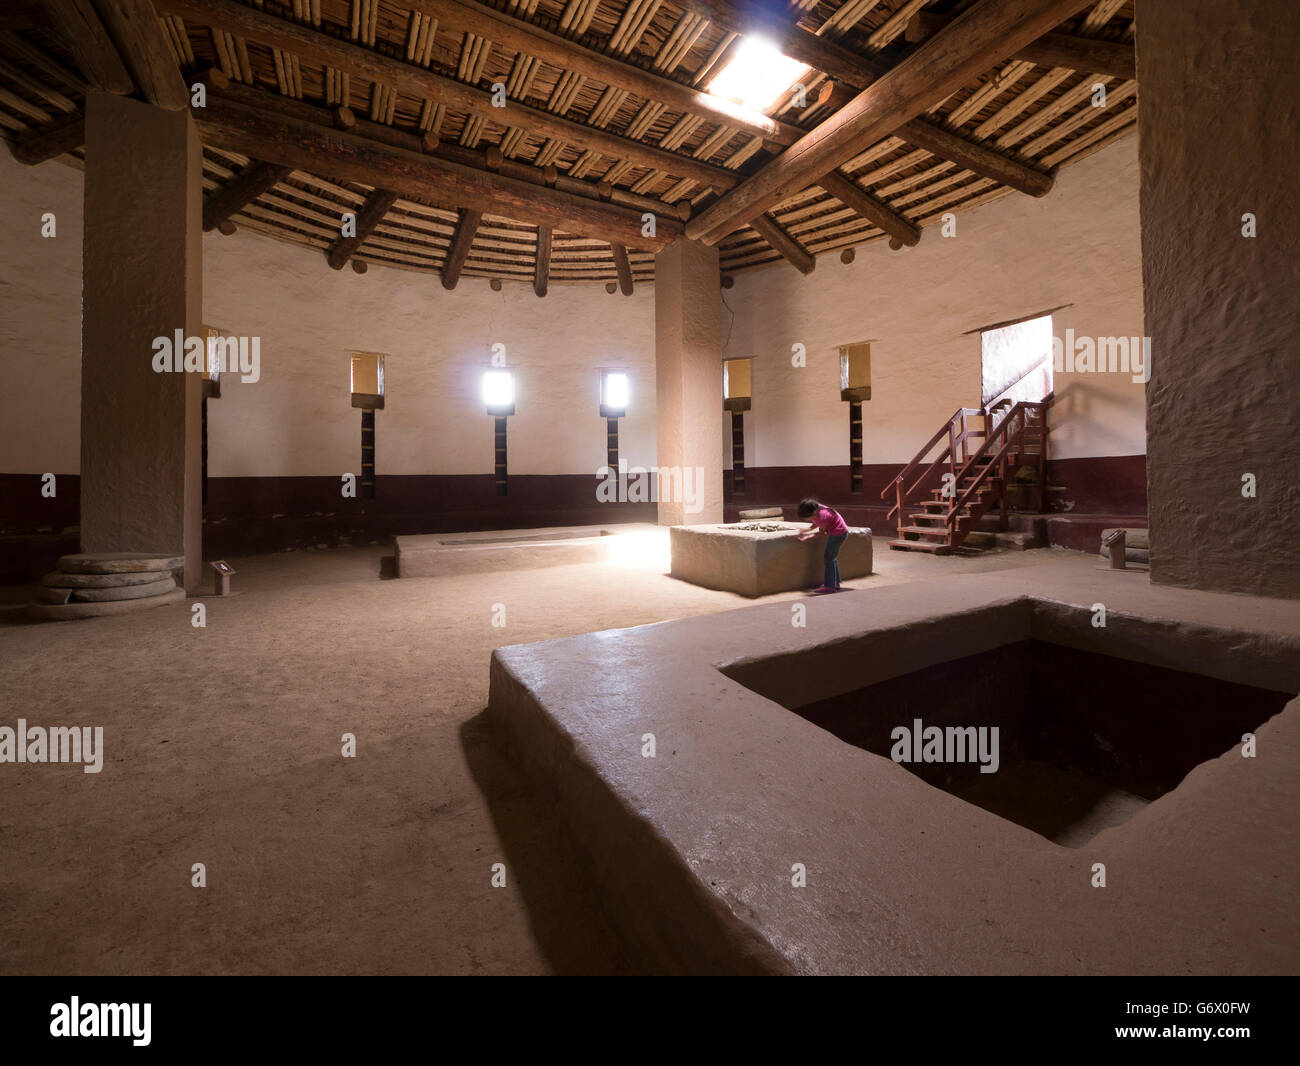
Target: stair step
x,y
925,531
920,546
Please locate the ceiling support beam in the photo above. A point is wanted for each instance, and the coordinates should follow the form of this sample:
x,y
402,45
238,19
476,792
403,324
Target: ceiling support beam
x,y
879,214
515,35
778,238
542,264
62,135
416,81
623,268
134,27
266,134
975,157
377,205
1084,54
972,43
79,26
466,228
240,191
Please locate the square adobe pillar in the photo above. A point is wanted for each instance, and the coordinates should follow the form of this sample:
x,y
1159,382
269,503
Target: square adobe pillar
x,y
1219,147
141,488
688,383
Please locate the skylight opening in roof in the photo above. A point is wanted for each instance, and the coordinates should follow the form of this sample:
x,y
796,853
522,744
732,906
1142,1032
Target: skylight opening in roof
x,y
756,75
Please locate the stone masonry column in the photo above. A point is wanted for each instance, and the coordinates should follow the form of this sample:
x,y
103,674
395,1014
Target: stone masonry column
x,y
688,383
143,270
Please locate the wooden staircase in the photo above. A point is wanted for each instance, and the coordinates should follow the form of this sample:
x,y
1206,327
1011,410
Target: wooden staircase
x,y
937,504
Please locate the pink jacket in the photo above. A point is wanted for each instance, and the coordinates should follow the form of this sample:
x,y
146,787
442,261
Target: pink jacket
x,y
830,522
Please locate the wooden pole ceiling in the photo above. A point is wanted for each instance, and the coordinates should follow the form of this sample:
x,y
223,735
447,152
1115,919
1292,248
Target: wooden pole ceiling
x,y
975,41
424,84
123,47
261,133
465,16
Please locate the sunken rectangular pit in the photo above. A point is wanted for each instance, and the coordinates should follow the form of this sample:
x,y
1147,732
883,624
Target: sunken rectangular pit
x,y
760,558
1062,741
730,777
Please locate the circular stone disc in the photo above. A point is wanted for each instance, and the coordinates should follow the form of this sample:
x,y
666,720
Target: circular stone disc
x,y
118,562
59,611
101,581
124,592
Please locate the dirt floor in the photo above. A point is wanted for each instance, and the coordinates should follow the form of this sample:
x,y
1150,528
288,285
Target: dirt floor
x,y
223,747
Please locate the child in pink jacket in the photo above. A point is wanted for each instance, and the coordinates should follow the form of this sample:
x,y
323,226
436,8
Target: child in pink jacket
x,y
831,522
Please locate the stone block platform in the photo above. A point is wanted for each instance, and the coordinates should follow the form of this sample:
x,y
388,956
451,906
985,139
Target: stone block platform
x,y
759,562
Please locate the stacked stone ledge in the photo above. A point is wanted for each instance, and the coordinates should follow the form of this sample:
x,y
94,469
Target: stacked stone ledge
x,y
94,584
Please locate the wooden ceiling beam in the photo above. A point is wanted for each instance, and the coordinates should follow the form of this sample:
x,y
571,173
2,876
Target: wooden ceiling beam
x,y
62,135
975,157
377,205
134,27
264,134
799,256
240,191
366,63
878,213
512,34
79,27
542,264
466,228
976,40
623,268
1084,54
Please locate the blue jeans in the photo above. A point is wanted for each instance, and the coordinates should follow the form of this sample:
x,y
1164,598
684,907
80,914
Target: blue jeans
x,y
833,544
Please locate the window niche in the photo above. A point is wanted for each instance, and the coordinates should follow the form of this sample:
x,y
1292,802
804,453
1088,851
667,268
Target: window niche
x,y
855,388
737,394
367,383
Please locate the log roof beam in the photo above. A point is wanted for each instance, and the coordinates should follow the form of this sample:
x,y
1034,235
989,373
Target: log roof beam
x,y
372,212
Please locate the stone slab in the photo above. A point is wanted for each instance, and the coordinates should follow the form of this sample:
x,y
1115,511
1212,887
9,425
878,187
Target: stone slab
x,y
125,592
58,579
48,595
438,554
51,612
118,562
755,563
760,512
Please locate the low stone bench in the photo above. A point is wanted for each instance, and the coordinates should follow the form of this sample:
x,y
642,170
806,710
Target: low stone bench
x,y
758,563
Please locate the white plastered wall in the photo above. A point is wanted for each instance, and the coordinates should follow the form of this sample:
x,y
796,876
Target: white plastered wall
x,y
1017,256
